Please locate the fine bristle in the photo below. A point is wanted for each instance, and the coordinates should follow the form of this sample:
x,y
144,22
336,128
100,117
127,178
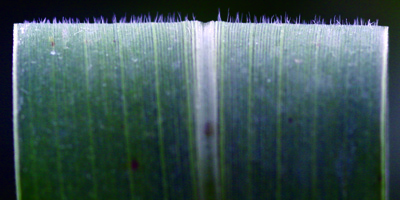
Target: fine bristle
x,y
159,18
275,19
238,18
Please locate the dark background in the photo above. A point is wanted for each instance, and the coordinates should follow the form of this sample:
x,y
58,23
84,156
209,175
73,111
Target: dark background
x,y
387,11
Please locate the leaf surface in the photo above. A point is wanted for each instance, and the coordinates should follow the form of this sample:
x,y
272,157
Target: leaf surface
x,y
195,110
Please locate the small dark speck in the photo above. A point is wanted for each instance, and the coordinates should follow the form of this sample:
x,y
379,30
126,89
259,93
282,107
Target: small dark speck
x,y
134,165
290,120
53,43
209,129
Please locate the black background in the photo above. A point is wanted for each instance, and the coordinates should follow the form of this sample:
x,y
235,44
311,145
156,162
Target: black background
x,y
17,11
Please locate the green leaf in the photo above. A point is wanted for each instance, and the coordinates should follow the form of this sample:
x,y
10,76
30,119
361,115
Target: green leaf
x,y
195,110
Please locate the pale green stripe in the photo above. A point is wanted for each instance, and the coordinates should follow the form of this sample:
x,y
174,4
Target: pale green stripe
x,y
250,133
32,146
124,107
159,114
279,120
221,114
314,164
54,115
384,114
92,157
17,154
189,108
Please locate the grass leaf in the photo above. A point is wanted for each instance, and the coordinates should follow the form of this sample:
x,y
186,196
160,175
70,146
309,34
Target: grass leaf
x,y
193,110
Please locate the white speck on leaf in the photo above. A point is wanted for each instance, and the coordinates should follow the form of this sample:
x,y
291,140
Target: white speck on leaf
x,y
22,30
298,61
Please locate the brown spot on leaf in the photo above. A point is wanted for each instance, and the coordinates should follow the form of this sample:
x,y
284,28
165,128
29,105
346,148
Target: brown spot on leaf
x,y
134,165
209,129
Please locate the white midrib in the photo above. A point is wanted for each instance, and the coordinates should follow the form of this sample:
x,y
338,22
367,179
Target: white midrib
x,y
206,111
